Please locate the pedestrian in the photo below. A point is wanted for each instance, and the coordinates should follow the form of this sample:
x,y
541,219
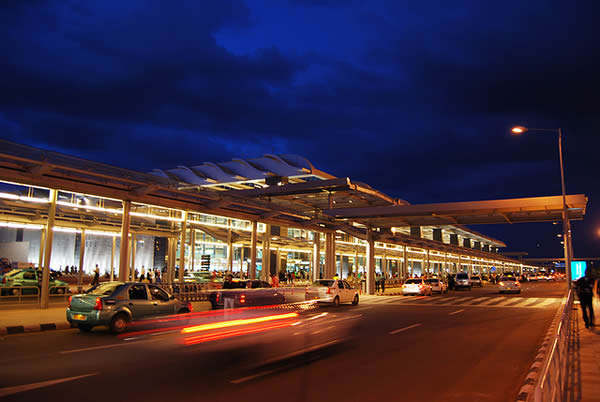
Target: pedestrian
x,y
149,276
142,278
96,279
157,276
382,284
585,292
376,282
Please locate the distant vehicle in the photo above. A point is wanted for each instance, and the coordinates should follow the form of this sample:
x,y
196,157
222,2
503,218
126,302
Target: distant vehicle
x,y
116,304
437,285
416,286
462,281
334,291
23,281
246,293
476,281
509,284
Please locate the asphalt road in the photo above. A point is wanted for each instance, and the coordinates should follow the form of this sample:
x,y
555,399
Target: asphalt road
x,y
463,346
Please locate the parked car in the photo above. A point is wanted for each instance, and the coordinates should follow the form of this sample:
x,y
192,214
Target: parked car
x,y
334,291
116,304
462,280
416,286
245,293
437,285
476,281
28,281
509,284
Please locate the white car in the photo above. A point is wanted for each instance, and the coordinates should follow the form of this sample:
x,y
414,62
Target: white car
x,y
437,285
416,286
332,291
509,284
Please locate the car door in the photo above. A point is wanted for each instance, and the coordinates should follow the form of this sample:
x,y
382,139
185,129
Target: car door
x,y
30,280
342,292
349,290
139,304
161,301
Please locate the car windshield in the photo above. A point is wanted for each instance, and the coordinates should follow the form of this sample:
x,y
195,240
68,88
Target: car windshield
x,y
433,281
104,289
462,276
413,282
324,282
475,278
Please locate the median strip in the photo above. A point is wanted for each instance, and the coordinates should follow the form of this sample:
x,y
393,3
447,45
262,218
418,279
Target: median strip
x,y
404,329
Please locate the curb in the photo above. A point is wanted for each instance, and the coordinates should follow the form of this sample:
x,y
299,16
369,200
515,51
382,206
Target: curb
x,y
526,391
21,329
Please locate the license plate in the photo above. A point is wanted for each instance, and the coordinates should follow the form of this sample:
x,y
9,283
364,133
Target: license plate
x,y
79,317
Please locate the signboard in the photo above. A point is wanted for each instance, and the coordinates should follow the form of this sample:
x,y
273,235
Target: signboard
x,y
493,269
577,269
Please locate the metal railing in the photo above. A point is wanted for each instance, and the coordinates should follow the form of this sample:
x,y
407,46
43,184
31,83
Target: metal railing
x,y
31,294
188,292
551,384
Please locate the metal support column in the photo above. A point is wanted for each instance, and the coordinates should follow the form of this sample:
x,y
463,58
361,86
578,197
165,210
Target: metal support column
x,y
48,250
229,249
404,262
133,255
266,257
192,248
253,245
124,250
112,258
182,248
316,262
81,260
370,262
42,241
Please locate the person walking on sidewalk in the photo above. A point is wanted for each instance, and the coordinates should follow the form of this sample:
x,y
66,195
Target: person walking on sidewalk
x,y
96,279
585,292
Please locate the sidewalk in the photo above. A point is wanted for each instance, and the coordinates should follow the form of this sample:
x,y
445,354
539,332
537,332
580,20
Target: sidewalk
x,y
584,358
34,319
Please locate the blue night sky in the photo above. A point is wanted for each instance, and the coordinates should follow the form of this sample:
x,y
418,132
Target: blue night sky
x,y
414,98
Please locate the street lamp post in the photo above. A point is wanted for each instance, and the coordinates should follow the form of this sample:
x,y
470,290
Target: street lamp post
x,y
568,248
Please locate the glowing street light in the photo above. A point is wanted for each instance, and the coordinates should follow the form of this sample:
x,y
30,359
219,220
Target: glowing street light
x,y
567,241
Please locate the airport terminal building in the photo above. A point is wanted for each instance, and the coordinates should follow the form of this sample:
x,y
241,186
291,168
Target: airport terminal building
x,y
61,211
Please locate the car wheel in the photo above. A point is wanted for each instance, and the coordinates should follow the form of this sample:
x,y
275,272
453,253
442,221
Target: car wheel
x,y
336,301
355,300
16,291
118,324
183,311
84,327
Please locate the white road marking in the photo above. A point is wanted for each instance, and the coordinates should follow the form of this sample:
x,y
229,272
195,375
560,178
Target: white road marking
x,y
475,300
363,308
456,312
404,329
251,377
492,300
65,352
28,387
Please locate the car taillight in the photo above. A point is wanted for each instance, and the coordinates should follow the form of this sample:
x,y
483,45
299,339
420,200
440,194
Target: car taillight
x,y
190,307
242,299
328,291
403,286
501,283
517,283
218,297
70,298
98,305
4,280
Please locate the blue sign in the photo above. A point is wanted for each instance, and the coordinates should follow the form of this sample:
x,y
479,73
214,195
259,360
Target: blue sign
x,y
577,269
493,269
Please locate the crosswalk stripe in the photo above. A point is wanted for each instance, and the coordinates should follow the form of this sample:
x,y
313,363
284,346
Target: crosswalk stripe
x,y
547,302
474,301
531,301
492,301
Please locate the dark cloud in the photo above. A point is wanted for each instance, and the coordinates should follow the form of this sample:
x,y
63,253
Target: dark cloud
x,y
413,99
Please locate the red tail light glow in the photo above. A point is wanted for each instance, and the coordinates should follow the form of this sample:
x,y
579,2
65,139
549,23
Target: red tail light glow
x,y
70,298
328,291
242,299
501,284
233,323
98,305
